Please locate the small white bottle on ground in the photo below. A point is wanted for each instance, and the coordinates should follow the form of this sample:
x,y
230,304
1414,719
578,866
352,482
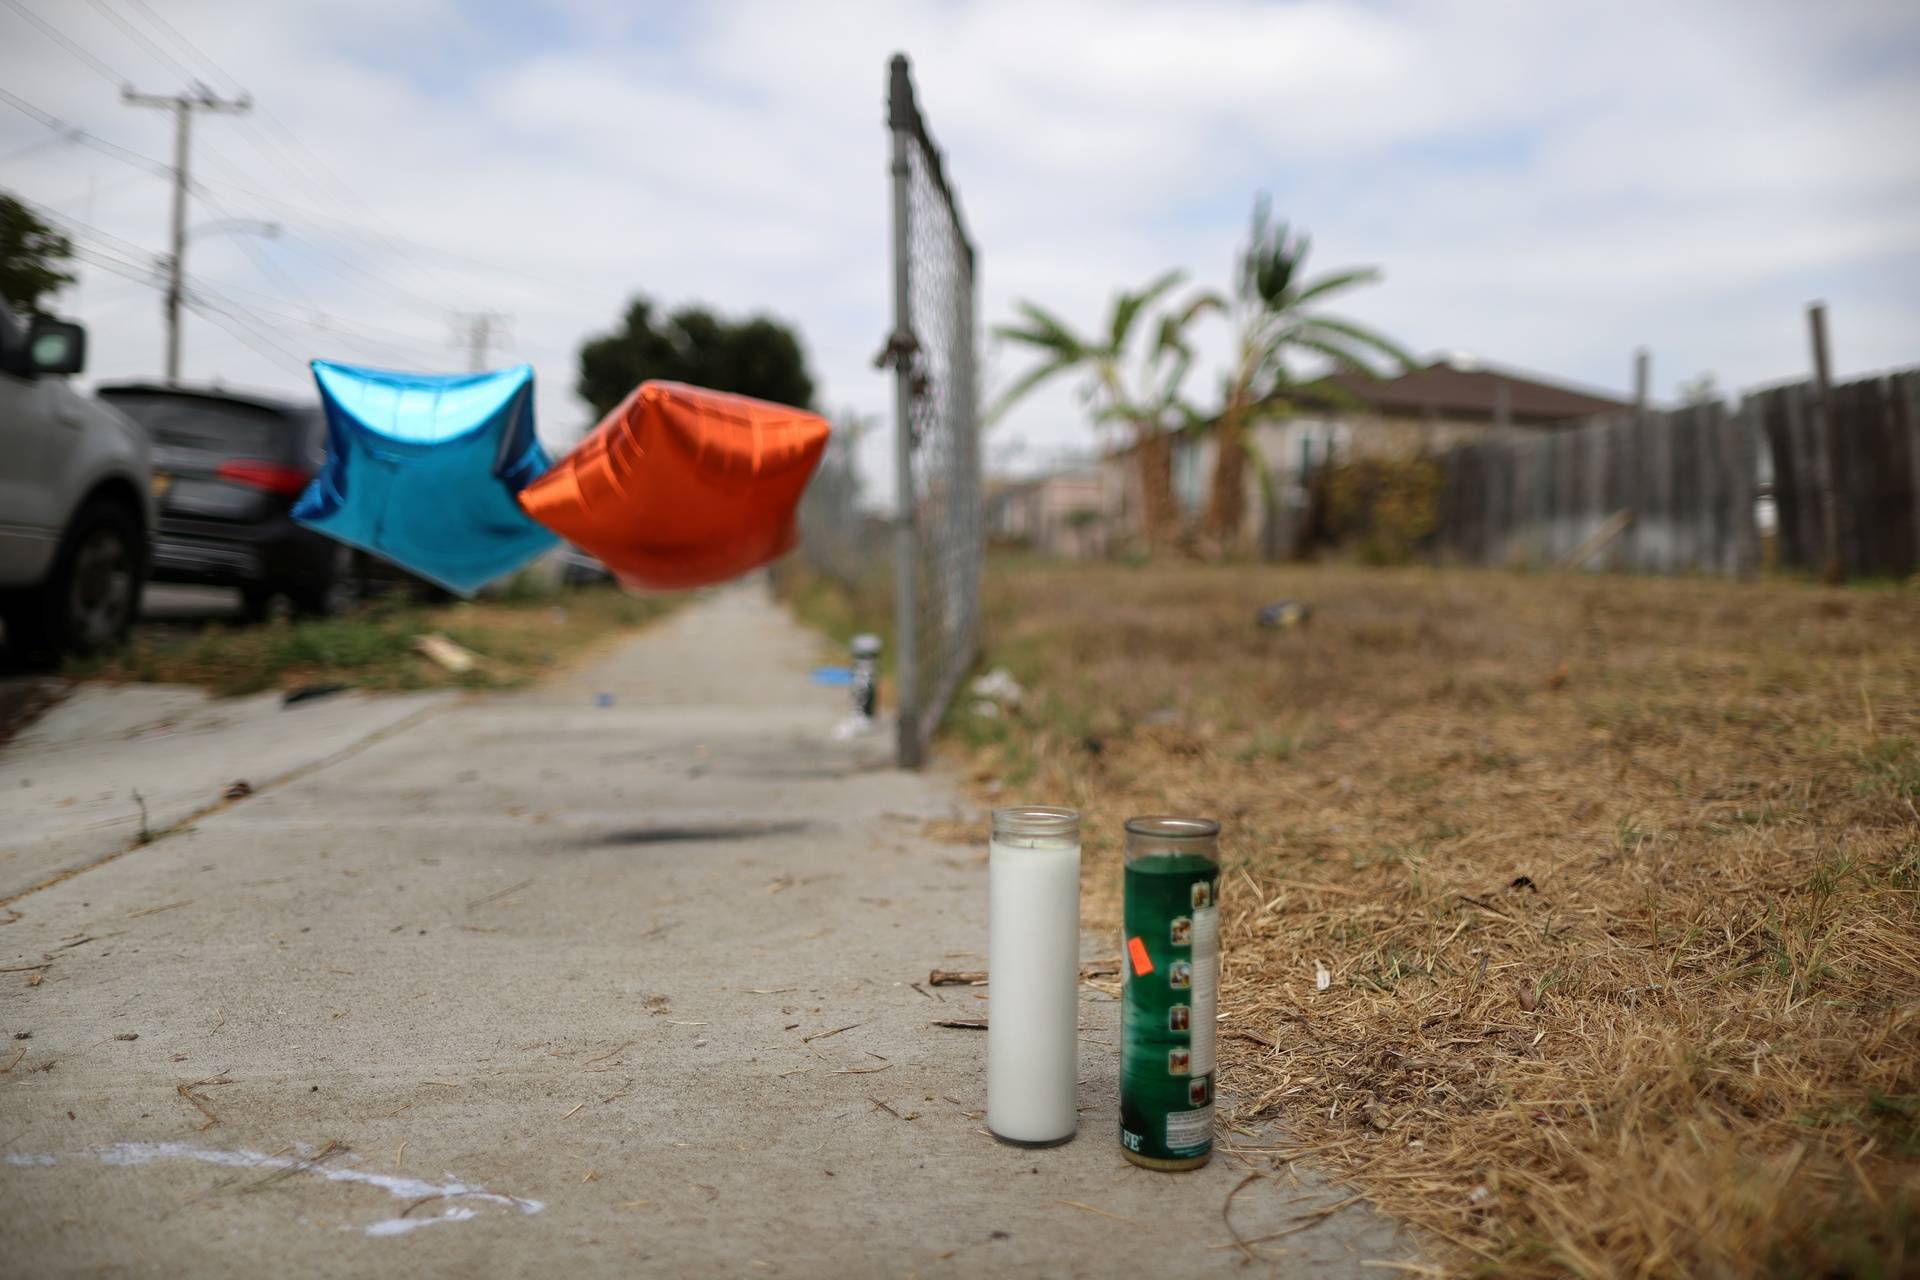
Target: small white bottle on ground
x,y
1033,972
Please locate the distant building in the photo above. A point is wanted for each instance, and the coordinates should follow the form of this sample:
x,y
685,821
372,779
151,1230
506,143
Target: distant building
x,y
1451,400
1069,513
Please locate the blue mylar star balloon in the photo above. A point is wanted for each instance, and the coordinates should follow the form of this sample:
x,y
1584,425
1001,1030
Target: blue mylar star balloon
x,y
422,469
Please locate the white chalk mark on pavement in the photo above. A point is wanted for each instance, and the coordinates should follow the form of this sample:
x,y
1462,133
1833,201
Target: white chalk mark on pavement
x,y
400,1226
414,1190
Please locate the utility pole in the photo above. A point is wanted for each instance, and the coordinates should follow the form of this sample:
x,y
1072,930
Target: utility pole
x,y
183,105
479,328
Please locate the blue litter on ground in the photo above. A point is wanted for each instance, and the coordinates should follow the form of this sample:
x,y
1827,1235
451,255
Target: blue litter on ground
x,y
602,699
833,677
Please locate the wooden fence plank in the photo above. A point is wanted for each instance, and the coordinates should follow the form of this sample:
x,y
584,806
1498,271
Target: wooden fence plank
x,y
1905,396
1742,432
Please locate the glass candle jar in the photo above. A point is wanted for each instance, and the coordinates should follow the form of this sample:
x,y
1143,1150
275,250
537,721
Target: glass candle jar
x,y
1033,974
1170,984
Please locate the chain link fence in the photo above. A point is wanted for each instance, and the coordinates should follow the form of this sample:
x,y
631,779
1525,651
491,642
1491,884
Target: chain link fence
x,y
835,537
937,463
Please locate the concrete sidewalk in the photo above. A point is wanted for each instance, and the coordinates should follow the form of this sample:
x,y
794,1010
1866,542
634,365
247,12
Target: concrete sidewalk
x,y
534,984
109,763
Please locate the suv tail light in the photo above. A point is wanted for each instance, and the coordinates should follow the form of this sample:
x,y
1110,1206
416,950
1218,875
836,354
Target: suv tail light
x,y
273,477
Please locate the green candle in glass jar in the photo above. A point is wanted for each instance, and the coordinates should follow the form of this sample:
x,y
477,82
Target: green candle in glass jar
x,y
1170,984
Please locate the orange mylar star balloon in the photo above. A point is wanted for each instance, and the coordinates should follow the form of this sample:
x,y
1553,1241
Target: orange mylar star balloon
x,y
682,487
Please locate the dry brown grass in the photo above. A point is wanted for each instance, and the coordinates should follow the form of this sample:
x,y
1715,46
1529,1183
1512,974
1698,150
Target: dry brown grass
x,y
1618,882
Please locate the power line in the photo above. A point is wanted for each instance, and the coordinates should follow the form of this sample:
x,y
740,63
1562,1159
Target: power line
x,y
138,160
32,147
158,54
270,147
123,154
292,326
181,42
73,47
116,266
325,322
67,222
130,262
250,337
374,234
96,189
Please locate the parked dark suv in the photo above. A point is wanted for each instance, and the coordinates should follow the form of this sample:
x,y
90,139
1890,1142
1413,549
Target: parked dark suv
x,y
227,467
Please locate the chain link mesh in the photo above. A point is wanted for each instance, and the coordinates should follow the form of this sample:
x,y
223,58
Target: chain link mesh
x,y
933,356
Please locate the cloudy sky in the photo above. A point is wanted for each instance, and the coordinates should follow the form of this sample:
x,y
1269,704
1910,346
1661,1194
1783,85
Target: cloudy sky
x,y
1547,186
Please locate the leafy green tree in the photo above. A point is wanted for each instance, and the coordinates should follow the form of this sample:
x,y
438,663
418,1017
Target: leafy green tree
x,y
1139,390
31,254
757,357
1273,311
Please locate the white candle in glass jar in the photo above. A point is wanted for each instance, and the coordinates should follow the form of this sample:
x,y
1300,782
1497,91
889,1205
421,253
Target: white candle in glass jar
x,y
1033,974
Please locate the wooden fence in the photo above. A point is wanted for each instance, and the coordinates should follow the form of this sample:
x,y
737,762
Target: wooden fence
x,y
1677,491
1869,444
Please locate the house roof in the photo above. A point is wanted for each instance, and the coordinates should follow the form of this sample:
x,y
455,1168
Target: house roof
x,y
1461,388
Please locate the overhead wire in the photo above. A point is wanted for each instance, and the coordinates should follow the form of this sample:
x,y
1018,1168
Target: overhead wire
x,y
264,141
140,38
129,156
251,335
111,257
123,258
298,329
137,272
72,46
325,322
180,41
21,152
126,155
69,220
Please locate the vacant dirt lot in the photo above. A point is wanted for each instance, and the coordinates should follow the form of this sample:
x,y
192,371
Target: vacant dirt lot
x,y
1574,919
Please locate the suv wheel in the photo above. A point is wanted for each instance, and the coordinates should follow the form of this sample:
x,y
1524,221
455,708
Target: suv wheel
x,y
92,598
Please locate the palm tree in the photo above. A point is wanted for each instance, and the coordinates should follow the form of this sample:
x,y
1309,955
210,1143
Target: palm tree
x,y
1140,391
1273,317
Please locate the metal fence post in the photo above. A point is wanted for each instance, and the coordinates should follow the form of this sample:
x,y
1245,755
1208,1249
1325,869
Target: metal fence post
x,y
905,614
937,535
969,427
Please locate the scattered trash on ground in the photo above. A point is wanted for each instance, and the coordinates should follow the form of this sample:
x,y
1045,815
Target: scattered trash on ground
x,y
978,977
308,692
454,657
1283,614
998,686
602,699
853,725
239,789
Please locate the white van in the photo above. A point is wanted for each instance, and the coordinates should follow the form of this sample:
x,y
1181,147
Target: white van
x,y
76,506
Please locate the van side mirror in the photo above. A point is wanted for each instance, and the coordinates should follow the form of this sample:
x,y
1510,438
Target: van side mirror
x,y
55,346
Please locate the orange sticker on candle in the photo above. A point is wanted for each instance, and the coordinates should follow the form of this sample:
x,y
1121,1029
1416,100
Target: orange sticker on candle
x,y
1137,952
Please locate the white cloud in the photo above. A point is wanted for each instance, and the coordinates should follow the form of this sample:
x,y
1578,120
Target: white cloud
x,y
1551,185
